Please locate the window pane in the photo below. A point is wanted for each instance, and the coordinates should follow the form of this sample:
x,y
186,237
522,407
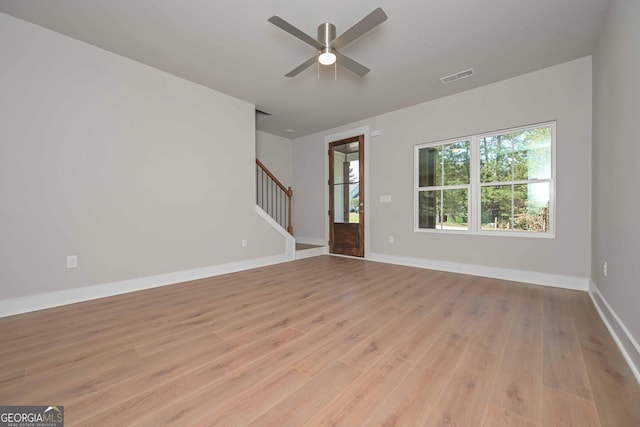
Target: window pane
x,y
339,160
354,203
496,207
443,209
354,171
455,208
532,154
531,207
429,163
447,164
428,208
456,161
339,208
495,158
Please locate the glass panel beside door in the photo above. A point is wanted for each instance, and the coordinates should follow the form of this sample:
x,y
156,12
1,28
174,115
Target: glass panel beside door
x,y
346,185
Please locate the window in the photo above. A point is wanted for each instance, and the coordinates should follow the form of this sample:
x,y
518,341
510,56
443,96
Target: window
x,y
444,182
497,183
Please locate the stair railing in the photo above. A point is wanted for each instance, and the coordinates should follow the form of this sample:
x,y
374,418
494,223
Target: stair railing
x,y
273,197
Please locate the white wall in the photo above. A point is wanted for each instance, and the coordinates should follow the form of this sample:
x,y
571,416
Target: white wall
x,y
276,153
309,210
561,93
616,172
136,171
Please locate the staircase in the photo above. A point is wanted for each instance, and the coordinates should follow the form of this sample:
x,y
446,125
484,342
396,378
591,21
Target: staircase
x,y
273,197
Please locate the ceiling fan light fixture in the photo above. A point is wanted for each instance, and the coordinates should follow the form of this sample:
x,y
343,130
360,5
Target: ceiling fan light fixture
x,y
327,56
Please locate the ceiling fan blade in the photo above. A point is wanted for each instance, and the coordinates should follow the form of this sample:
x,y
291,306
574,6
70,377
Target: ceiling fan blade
x,y
306,64
284,25
351,65
365,25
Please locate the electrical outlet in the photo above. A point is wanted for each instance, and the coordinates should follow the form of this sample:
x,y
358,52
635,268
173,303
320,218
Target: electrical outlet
x,y
391,240
72,261
604,269
244,243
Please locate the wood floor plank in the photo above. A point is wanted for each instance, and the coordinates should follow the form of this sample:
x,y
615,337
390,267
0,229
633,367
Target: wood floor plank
x,y
468,319
83,385
249,405
410,402
123,382
530,302
340,309
493,330
364,354
563,366
518,386
615,392
12,379
591,330
498,417
218,390
78,322
415,342
306,403
293,302
464,400
613,386
564,409
361,398
55,358
147,400
326,355
53,384
288,318
176,339
324,341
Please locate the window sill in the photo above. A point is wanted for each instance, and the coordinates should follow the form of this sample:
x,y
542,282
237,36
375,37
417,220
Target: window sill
x,y
518,234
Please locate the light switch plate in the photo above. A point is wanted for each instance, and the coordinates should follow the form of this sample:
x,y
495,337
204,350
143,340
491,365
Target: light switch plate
x,y
72,261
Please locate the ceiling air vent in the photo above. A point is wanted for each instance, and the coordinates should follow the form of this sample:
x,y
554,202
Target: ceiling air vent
x,y
457,76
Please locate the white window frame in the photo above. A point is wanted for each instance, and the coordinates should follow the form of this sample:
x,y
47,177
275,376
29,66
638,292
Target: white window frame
x,y
475,186
441,188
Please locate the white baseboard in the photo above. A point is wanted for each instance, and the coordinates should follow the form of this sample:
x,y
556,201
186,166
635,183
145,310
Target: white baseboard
x,y
544,279
308,253
619,331
311,241
10,307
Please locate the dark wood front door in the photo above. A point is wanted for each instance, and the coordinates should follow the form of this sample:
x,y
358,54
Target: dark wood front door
x,y
346,196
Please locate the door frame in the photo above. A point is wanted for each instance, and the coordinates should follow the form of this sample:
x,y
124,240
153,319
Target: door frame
x,y
347,226
328,139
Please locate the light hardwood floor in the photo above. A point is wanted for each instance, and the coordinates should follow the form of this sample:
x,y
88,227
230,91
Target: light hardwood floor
x,y
324,341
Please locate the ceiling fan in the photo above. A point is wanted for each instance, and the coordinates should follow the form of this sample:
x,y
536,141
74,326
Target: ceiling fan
x,y
328,45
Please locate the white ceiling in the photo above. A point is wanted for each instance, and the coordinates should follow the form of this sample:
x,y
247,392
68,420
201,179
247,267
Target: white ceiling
x,y
229,46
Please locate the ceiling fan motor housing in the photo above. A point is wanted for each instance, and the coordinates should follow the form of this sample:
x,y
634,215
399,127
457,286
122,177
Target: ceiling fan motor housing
x,y
326,33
